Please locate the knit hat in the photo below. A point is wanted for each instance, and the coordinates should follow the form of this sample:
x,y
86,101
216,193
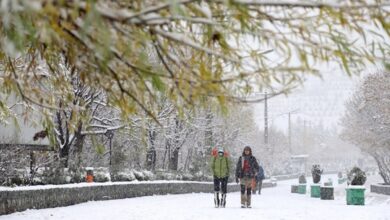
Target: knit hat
x,y
220,150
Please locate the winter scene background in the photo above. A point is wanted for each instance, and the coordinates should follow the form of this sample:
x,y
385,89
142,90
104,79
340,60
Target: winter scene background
x,y
119,109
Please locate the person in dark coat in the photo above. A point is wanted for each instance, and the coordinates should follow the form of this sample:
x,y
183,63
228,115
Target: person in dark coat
x,y
259,178
246,170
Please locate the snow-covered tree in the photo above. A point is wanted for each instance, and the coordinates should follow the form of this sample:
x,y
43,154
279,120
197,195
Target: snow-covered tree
x,y
367,120
216,49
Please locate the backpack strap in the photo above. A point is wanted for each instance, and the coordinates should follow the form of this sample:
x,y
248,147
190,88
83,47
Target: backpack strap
x,y
227,165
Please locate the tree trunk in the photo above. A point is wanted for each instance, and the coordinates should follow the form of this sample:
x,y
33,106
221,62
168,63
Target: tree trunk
x,y
167,153
75,154
381,156
64,155
151,154
174,160
188,159
209,142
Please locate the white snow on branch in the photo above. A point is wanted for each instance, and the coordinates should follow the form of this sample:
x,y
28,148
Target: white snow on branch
x,y
113,128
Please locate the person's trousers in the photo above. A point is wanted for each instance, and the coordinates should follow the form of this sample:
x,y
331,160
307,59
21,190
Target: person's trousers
x,y
220,183
260,184
246,190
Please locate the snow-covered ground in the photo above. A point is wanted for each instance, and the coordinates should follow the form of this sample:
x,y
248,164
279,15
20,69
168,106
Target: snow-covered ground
x,y
273,203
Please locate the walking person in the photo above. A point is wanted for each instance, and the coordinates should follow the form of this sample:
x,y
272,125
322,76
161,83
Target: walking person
x,y
259,178
220,166
246,171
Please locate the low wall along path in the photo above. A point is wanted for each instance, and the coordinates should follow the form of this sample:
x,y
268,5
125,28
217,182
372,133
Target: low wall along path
x,y
14,200
380,188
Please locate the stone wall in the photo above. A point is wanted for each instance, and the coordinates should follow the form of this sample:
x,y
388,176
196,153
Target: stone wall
x,y
381,189
20,200
287,177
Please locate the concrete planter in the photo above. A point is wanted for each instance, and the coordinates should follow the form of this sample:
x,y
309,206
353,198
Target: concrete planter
x,y
294,188
355,195
315,191
328,184
302,188
327,193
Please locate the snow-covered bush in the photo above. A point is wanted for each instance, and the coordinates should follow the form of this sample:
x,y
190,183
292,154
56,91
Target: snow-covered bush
x,y
52,176
199,175
139,175
184,176
202,177
164,175
56,175
356,176
142,175
125,175
19,177
302,179
148,175
101,174
187,176
316,172
75,175
161,175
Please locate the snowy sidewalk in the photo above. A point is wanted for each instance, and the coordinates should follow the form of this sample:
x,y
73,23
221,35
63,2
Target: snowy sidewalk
x,y
274,203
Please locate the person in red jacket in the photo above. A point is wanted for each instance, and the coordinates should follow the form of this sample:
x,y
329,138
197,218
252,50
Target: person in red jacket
x,y
246,170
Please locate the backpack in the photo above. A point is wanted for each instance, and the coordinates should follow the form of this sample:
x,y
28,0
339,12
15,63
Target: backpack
x,y
214,152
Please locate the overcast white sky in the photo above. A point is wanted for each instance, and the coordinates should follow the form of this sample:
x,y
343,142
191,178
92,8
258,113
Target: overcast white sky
x,y
318,101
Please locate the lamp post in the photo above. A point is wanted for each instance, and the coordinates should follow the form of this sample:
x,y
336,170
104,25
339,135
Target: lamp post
x,y
265,120
289,129
110,134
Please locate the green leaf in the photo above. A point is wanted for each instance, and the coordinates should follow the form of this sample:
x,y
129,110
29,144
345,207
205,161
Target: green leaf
x,y
100,149
344,61
157,83
387,66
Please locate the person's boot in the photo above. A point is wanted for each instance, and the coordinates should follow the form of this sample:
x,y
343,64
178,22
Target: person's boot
x,y
216,199
243,201
223,200
248,201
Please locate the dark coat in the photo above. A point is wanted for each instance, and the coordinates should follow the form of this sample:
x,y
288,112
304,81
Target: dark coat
x,y
260,174
254,167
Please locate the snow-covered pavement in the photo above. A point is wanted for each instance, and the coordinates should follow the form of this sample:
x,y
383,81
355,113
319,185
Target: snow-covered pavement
x,y
274,203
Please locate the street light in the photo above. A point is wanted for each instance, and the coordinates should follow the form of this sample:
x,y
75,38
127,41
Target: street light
x,y
254,98
110,134
289,128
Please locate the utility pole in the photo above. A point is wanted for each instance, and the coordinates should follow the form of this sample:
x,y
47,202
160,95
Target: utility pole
x,y
304,137
289,132
290,129
265,120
